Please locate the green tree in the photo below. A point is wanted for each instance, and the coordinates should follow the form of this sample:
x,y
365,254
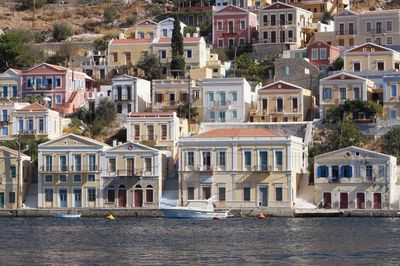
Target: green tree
x,y
391,142
61,31
101,44
337,64
28,147
347,134
150,64
184,112
326,17
35,99
109,15
64,53
177,62
314,150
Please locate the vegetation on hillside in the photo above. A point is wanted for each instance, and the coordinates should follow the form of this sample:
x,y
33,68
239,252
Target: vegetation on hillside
x,y
354,109
391,142
28,147
253,70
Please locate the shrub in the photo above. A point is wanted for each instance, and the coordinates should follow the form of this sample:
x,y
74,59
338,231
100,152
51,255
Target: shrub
x,y
61,31
109,15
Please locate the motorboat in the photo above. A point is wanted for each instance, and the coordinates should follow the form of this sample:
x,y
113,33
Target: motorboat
x,y
66,215
195,209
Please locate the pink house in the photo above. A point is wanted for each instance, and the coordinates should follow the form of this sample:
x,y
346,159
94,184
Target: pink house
x,y
63,88
322,54
233,26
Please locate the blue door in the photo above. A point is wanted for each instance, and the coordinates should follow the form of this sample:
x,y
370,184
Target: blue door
x,y
393,114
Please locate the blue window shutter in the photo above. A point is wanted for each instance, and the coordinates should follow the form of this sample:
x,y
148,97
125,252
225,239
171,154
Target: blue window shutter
x,y
350,171
341,171
326,171
319,171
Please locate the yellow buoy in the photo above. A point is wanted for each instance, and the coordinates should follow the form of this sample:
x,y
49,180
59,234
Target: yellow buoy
x,y
110,217
261,216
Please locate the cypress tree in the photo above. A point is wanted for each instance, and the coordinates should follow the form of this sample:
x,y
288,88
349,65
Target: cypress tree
x,y
178,61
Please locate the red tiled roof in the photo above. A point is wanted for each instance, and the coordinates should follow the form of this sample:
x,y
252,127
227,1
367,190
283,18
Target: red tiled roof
x,y
127,41
387,11
33,107
240,132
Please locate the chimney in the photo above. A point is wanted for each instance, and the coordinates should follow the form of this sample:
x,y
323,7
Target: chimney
x,y
114,143
187,34
119,142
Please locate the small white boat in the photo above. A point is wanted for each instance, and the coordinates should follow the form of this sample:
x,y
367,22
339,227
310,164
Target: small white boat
x,y
195,209
66,215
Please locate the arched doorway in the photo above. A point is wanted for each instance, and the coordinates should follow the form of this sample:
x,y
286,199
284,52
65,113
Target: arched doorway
x,y
122,196
138,196
149,194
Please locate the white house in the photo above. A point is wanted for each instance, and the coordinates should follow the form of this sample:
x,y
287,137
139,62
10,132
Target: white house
x,y
166,27
226,99
130,94
356,178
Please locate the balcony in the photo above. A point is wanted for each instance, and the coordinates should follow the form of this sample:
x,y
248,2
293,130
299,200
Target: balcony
x,y
129,173
5,120
69,168
230,34
346,32
334,180
206,168
123,97
277,24
149,140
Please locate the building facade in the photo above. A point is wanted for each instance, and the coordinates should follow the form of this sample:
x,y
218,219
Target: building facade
x,y
69,172
10,83
283,102
241,168
322,54
233,26
355,178
130,94
391,99
226,100
339,88
63,88
166,26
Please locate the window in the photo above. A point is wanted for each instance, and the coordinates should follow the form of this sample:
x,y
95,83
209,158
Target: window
x,y
15,91
220,43
295,105
278,192
234,114
356,67
110,194
190,193
221,158
322,53
147,165
278,158
389,40
234,96
5,91
48,178
136,129
380,65
368,172
63,163
91,178
115,57
48,192
290,34
219,26
91,194
265,104
241,41
63,178
92,162
381,170
265,35
389,25
164,32
190,158
149,193
128,58
246,193
290,18
242,24
212,115
230,27
111,165
341,42
13,171
77,162
221,193
335,171
163,54
150,132
206,155
368,26
393,90
342,93
247,158
4,131
164,132
322,171
188,53
273,20
11,197
49,163
210,97
314,54
263,160
346,171
286,69
77,178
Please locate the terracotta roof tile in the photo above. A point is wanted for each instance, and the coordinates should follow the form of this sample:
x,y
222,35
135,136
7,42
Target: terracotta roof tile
x,y
128,41
240,132
33,107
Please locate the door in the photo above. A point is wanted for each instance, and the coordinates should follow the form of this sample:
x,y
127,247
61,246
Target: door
x,y
206,192
63,198
344,201
327,198
263,196
138,198
77,198
2,200
279,105
360,200
122,198
130,166
377,201
273,37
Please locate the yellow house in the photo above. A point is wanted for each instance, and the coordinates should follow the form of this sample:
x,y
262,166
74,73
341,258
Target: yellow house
x,y
283,102
341,87
144,29
122,52
13,190
160,130
69,172
133,176
240,167
10,83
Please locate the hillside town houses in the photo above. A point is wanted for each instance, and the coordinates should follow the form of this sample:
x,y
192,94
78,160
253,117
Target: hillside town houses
x,y
213,130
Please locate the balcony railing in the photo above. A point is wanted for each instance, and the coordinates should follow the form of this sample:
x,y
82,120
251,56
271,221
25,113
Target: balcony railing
x,y
277,23
123,98
69,168
346,32
4,119
137,172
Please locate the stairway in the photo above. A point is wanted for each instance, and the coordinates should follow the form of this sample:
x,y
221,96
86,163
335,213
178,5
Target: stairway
x,y
31,197
170,192
305,194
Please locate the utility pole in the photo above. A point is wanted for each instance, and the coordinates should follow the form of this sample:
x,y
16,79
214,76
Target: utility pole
x,y
33,14
190,100
18,172
234,66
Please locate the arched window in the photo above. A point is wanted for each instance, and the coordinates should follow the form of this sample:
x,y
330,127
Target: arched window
x,y
149,193
138,186
122,187
110,194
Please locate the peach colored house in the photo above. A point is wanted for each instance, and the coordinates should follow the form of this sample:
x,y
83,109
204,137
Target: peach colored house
x,y
233,26
321,54
63,87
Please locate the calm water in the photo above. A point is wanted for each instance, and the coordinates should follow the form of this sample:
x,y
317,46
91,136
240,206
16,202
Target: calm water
x,y
361,241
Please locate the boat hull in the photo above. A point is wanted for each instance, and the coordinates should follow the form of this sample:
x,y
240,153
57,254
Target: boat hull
x,y
66,215
193,214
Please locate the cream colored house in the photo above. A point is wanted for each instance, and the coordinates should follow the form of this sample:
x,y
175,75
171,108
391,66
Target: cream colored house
x,y
242,168
391,98
356,178
160,130
371,61
10,84
36,121
7,109
285,25
69,169
283,102
122,52
132,176
10,188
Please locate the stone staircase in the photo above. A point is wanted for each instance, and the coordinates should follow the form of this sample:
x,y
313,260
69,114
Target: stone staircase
x,y
31,197
305,194
170,193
